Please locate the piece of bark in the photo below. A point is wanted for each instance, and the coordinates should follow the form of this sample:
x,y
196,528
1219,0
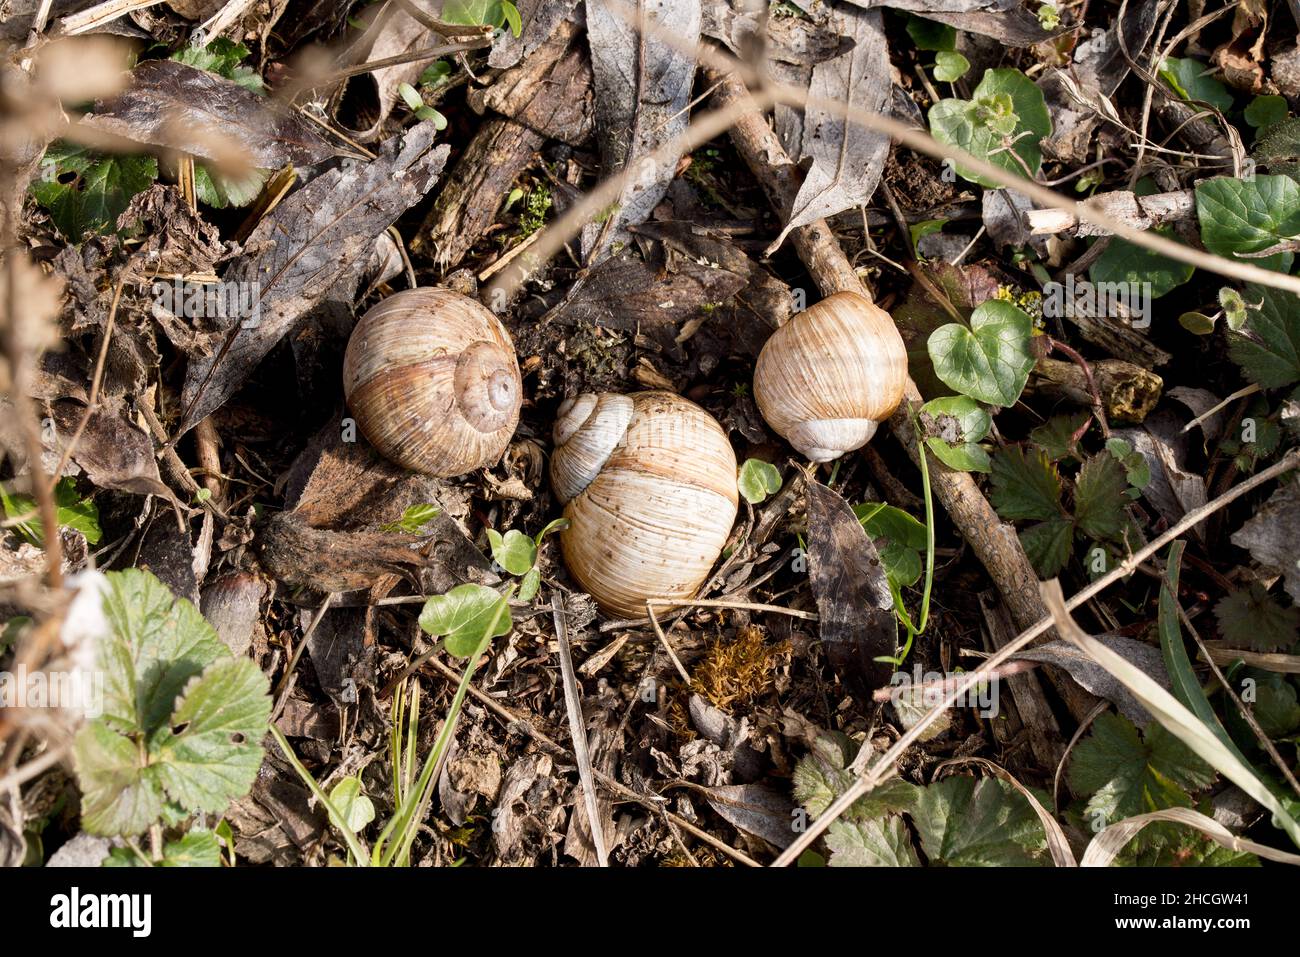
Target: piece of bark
x,y
467,206
1120,340
1025,694
550,92
1128,392
993,541
1136,212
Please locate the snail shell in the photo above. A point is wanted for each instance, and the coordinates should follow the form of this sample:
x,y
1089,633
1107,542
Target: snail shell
x,y
650,485
432,380
830,375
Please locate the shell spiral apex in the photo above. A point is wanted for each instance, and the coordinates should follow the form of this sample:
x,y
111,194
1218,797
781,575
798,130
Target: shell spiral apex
x,y
432,379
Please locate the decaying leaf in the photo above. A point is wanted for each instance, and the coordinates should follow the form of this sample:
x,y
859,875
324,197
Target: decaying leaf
x,y
312,240
1097,679
856,609
847,158
643,86
1273,536
172,105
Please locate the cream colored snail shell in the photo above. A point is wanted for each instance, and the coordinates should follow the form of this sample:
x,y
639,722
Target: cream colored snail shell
x,y
650,485
830,375
432,380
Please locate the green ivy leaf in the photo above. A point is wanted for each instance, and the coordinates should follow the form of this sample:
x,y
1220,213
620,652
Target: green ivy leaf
x,y
87,191
212,747
1267,347
1193,80
955,425
1263,111
899,539
1127,775
930,34
1252,618
514,551
950,66
1025,485
1247,216
463,615
758,480
963,822
991,360
1125,262
1047,545
353,806
1099,497
1006,107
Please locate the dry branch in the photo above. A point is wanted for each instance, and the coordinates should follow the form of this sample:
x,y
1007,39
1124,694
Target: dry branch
x,y
1136,212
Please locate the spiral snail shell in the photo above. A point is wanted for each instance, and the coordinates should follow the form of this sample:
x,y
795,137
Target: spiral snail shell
x,y
828,377
649,482
432,380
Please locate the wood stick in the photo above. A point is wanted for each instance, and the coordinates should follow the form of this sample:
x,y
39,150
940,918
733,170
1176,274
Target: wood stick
x,y
993,541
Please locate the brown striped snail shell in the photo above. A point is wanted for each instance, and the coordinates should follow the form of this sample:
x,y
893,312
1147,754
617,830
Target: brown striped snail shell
x,y
827,378
649,482
432,380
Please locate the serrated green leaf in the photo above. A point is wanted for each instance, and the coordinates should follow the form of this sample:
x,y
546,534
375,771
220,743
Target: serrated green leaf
x,y
514,551
1025,484
1247,216
462,616
198,848
989,361
883,842
211,750
165,643
1252,618
1127,775
1178,846
120,792
1125,262
963,822
1056,436
87,191
1047,545
220,191
758,480
1099,498
1267,347
1193,80
1006,107
223,57
1272,703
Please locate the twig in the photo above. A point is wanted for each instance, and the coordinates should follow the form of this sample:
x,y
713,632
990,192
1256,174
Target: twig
x,y
518,723
578,730
876,773
290,671
1098,406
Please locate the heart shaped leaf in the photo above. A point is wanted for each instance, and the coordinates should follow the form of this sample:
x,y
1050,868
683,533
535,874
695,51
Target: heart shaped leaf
x,y
990,361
